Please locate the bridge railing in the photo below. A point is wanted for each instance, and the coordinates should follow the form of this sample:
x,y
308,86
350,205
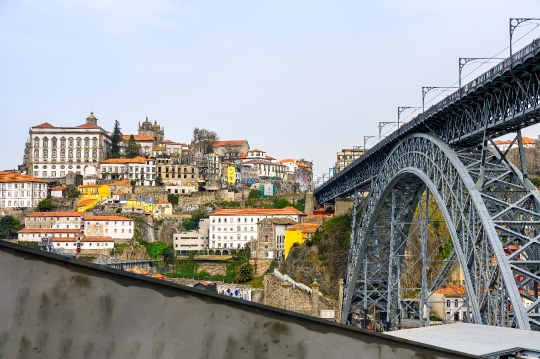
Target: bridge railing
x,y
450,99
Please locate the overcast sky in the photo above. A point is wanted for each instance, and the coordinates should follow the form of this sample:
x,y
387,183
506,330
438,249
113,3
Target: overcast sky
x,y
298,79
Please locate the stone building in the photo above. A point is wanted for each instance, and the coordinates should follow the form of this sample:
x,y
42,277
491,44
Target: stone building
x,y
155,130
116,227
271,238
55,151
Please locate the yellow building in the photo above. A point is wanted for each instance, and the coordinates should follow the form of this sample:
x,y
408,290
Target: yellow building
x,y
299,233
231,174
91,194
140,203
162,208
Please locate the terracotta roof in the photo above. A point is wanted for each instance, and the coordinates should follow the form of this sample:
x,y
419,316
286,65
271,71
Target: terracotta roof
x,y
85,202
55,214
139,137
91,185
49,230
229,143
452,290
257,212
255,150
526,140
169,142
88,125
58,188
288,160
270,158
305,227
106,218
263,162
97,239
120,183
161,201
64,239
14,176
243,155
279,221
44,125
138,159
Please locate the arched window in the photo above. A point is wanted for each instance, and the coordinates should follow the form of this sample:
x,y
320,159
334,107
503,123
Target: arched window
x,y
78,153
94,153
86,142
45,153
86,153
63,142
62,153
94,142
53,141
71,142
36,153
70,154
79,142
45,142
53,153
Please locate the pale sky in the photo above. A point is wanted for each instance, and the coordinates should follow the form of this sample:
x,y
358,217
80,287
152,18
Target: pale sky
x,y
298,79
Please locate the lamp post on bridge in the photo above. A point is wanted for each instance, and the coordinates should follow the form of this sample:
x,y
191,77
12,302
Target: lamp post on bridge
x,y
382,124
400,110
465,60
514,24
427,89
365,140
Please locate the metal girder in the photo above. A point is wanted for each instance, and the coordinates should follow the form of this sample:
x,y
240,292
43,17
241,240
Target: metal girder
x,y
502,100
494,227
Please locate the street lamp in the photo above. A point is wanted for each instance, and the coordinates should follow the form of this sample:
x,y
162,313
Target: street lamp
x,y
382,124
427,89
400,110
365,140
514,24
465,60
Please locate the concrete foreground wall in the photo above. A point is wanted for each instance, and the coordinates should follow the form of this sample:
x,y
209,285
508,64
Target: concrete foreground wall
x,y
58,307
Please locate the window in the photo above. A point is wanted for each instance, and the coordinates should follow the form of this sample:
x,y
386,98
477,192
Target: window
x,y
79,142
94,142
448,303
36,142
53,153
36,154
62,142
45,153
70,142
87,142
45,142
456,303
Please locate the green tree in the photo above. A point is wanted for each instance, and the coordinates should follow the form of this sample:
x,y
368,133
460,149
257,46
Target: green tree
x,y
159,181
254,193
45,205
244,272
281,203
173,199
203,140
74,194
116,140
8,226
131,148
169,256
192,224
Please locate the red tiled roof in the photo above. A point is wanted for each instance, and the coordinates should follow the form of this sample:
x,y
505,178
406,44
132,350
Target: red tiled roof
x,y
55,214
14,176
120,183
305,227
255,150
243,155
258,211
88,125
288,160
229,143
169,142
139,137
161,201
138,159
44,125
452,290
106,218
58,188
84,202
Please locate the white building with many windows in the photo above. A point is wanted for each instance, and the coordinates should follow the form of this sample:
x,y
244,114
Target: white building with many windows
x,y
116,227
185,242
20,191
54,151
140,169
231,229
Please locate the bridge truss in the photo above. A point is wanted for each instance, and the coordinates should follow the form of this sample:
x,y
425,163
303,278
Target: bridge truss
x,y
443,167
493,226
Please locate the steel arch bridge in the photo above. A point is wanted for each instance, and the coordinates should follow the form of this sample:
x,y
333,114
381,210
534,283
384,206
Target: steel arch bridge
x,y
490,209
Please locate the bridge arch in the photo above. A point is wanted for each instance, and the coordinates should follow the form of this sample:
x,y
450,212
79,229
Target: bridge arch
x,y
492,218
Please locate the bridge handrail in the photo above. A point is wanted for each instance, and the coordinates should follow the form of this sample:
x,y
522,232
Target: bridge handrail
x,y
464,90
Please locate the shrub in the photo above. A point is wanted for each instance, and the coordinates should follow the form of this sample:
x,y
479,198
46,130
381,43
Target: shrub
x,y
45,205
253,194
173,199
119,210
244,273
192,224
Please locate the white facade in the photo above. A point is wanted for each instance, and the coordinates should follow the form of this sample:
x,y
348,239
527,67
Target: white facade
x,y
21,194
56,151
116,227
267,168
232,229
193,240
290,165
141,169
